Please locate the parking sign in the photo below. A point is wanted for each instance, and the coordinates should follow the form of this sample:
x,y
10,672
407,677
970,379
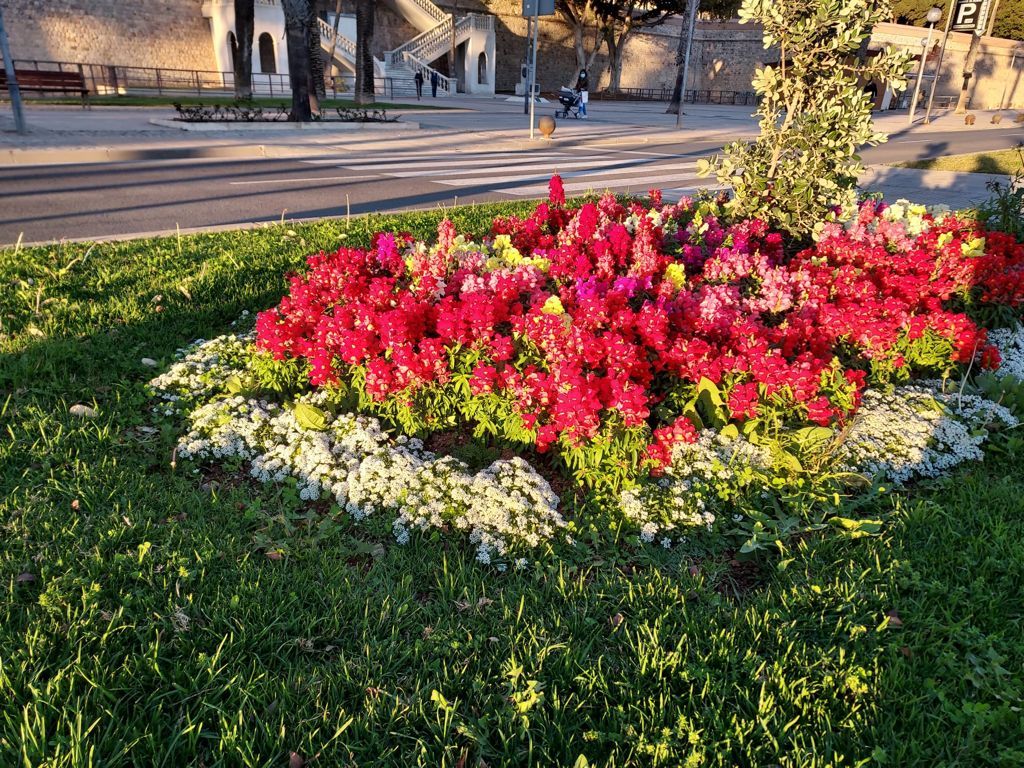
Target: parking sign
x,y
970,16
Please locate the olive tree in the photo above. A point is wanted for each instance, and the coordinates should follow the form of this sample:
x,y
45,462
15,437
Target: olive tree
x,y
814,112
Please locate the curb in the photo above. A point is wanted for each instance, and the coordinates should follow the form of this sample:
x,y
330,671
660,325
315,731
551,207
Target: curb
x,y
327,126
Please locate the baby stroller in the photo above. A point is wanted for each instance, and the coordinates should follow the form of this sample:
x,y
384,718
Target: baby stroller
x,y
570,101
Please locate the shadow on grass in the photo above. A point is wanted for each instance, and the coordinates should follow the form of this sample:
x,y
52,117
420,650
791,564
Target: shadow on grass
x,y
154,606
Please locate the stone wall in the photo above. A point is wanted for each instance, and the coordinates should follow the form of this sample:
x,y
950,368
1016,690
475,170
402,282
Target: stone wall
x,y
145,33
725,53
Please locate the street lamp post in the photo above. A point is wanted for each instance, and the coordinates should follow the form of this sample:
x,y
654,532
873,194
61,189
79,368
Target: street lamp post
x,y
938,65
934,14
12,78
1017,51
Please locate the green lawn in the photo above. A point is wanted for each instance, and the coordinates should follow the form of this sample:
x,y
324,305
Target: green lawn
x,y
1006,161
190,98
143,624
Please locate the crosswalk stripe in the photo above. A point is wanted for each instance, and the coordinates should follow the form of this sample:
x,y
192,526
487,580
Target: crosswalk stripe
x,y
526,174
541,169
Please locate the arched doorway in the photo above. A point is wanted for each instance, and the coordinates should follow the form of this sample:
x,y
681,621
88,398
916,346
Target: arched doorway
x,y
481,69
268,59
233,47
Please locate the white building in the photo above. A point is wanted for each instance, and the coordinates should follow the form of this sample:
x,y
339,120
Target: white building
x,y
470,36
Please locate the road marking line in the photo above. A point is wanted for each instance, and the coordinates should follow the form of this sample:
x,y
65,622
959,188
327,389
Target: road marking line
x,y
306,180
634,152
434,159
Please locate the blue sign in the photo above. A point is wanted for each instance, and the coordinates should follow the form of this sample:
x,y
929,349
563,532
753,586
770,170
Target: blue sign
x,y
538,7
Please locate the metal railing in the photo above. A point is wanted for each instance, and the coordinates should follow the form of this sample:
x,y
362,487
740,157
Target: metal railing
x,y
116,80
698,96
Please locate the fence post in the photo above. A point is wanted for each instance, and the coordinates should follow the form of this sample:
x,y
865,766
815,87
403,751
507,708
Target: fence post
x,y
159,85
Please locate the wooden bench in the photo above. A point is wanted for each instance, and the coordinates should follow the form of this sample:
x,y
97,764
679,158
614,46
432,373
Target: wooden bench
x,y
40,81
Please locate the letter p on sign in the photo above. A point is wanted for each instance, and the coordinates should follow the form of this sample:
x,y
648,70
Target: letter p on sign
x,y
969,16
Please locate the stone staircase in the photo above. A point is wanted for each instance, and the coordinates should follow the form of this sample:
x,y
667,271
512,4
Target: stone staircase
x,y
399,66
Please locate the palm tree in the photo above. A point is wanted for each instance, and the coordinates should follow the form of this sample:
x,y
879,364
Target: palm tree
x,y
316,60
296,30
245,12
364,53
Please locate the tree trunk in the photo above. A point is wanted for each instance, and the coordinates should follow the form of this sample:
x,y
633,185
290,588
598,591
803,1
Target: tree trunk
x,y
296,30
972,56
245,11
317,90
677,90
364,53
615,47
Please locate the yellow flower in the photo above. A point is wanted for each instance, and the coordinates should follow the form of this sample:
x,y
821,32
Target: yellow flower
x,y
675,273
553,306
975,247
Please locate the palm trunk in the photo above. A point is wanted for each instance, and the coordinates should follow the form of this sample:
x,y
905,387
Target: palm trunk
x,y
296,29
245,11
316,64
364,52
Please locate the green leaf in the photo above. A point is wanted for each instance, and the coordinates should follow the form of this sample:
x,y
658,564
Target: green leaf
x,y
233,385
855,529
714,394
310,417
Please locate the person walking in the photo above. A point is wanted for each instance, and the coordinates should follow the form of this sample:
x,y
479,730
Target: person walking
x,y
419,84
434,80
584,91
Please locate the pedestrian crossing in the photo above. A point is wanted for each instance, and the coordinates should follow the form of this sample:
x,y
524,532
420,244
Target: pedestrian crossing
x,y
525,173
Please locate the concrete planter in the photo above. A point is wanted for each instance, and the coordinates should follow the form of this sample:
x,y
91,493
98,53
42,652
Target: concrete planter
x,y
323,126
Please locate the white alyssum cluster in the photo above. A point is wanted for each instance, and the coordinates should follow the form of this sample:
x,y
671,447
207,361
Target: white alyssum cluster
x,y
919,431
914,431
686,495
1010,342
201,369
504,508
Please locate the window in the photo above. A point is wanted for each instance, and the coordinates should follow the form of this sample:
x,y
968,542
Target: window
x,y
481,69
233,47
268,61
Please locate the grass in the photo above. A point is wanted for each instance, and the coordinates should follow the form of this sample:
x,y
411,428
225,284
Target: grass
x,y
1004,161
142,623
186,97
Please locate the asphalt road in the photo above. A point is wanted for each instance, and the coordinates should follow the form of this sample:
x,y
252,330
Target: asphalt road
x,y
46,203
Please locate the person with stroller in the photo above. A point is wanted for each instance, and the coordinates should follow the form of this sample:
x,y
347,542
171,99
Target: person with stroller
x,y
582,88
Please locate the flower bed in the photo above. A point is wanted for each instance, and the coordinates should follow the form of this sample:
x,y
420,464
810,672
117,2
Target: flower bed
x,y
676,366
